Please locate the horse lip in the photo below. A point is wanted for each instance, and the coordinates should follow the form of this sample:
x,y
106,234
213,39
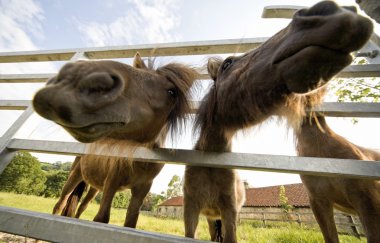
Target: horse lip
x,y
94,130
90,133
90,126
281,57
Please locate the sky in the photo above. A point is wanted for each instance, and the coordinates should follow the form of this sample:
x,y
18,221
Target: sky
x,y
60,24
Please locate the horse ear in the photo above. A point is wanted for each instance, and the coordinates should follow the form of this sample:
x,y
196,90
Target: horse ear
x,y
213,65
138,62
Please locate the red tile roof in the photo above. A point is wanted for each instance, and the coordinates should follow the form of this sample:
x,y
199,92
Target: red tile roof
x,y
174,201
264,197
269,196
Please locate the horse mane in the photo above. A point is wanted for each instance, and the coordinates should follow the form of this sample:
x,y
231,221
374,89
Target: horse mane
x,y
298,106
206,110
183,78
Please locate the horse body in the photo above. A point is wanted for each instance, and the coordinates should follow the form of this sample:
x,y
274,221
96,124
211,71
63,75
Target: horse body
x,y
269,80
114,105
109,176
354,196
218,194
129,175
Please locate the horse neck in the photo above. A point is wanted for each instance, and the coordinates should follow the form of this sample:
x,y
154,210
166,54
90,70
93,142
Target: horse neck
x,y
214,139
312,135
246,106
315,139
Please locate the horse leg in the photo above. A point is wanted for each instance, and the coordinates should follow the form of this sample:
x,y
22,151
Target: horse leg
x,y
138,195
212,228
109,192
324,214
91,194
74,179
228,210
191,216
367,205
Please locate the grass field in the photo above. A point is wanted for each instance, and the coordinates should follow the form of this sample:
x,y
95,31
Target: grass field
x,y
247,231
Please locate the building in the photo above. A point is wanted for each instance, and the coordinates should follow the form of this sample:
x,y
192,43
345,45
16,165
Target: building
x,y
267,199
257,200
263,204
172,207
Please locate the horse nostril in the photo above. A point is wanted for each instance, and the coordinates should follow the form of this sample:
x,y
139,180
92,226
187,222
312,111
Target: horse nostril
x,y
325,8
64,112
98,88
99,83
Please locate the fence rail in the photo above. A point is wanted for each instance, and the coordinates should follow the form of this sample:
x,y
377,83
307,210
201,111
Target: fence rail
x,y
63,229
245,161
165,49
60,229
333,109
353,71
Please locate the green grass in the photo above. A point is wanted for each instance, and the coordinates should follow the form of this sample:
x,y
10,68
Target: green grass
x,y
248,231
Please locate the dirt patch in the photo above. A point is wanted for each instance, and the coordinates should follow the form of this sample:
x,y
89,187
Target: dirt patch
x,y
8,238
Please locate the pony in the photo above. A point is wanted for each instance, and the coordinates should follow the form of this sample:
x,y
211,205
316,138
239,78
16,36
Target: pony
x,y
114,105
269,80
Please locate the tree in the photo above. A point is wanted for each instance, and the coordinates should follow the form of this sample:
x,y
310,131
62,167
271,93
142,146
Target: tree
x,y
121,199
54,183
357,89
23,175
152,201
66,166
174,187
286,207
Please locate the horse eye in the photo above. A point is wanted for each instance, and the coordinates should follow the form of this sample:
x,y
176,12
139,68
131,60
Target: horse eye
x,y
226,63
172,93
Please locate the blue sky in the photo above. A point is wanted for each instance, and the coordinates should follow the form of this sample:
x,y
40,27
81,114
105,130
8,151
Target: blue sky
x,y
61,24
71,24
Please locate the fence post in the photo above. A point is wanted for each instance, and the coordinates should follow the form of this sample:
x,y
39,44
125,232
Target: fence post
x,y
264,221
5,154
355,230
299,219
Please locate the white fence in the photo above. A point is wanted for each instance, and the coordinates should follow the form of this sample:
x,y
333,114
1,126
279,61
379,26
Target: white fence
x,y
61,229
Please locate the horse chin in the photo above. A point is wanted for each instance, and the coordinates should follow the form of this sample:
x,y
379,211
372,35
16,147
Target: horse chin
x,y
316,65
94,132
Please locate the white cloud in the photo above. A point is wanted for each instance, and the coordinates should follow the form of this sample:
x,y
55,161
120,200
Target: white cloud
x,y
19,21
19,18
144,22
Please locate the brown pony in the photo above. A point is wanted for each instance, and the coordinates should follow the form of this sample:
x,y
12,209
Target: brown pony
x,y
314,138
248,89
116,105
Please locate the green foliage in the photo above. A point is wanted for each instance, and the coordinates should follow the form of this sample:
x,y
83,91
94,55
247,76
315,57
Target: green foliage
x,y
357,89
174,188
66,166
98,198
54,183
286,207
121,199
153,200
23,175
